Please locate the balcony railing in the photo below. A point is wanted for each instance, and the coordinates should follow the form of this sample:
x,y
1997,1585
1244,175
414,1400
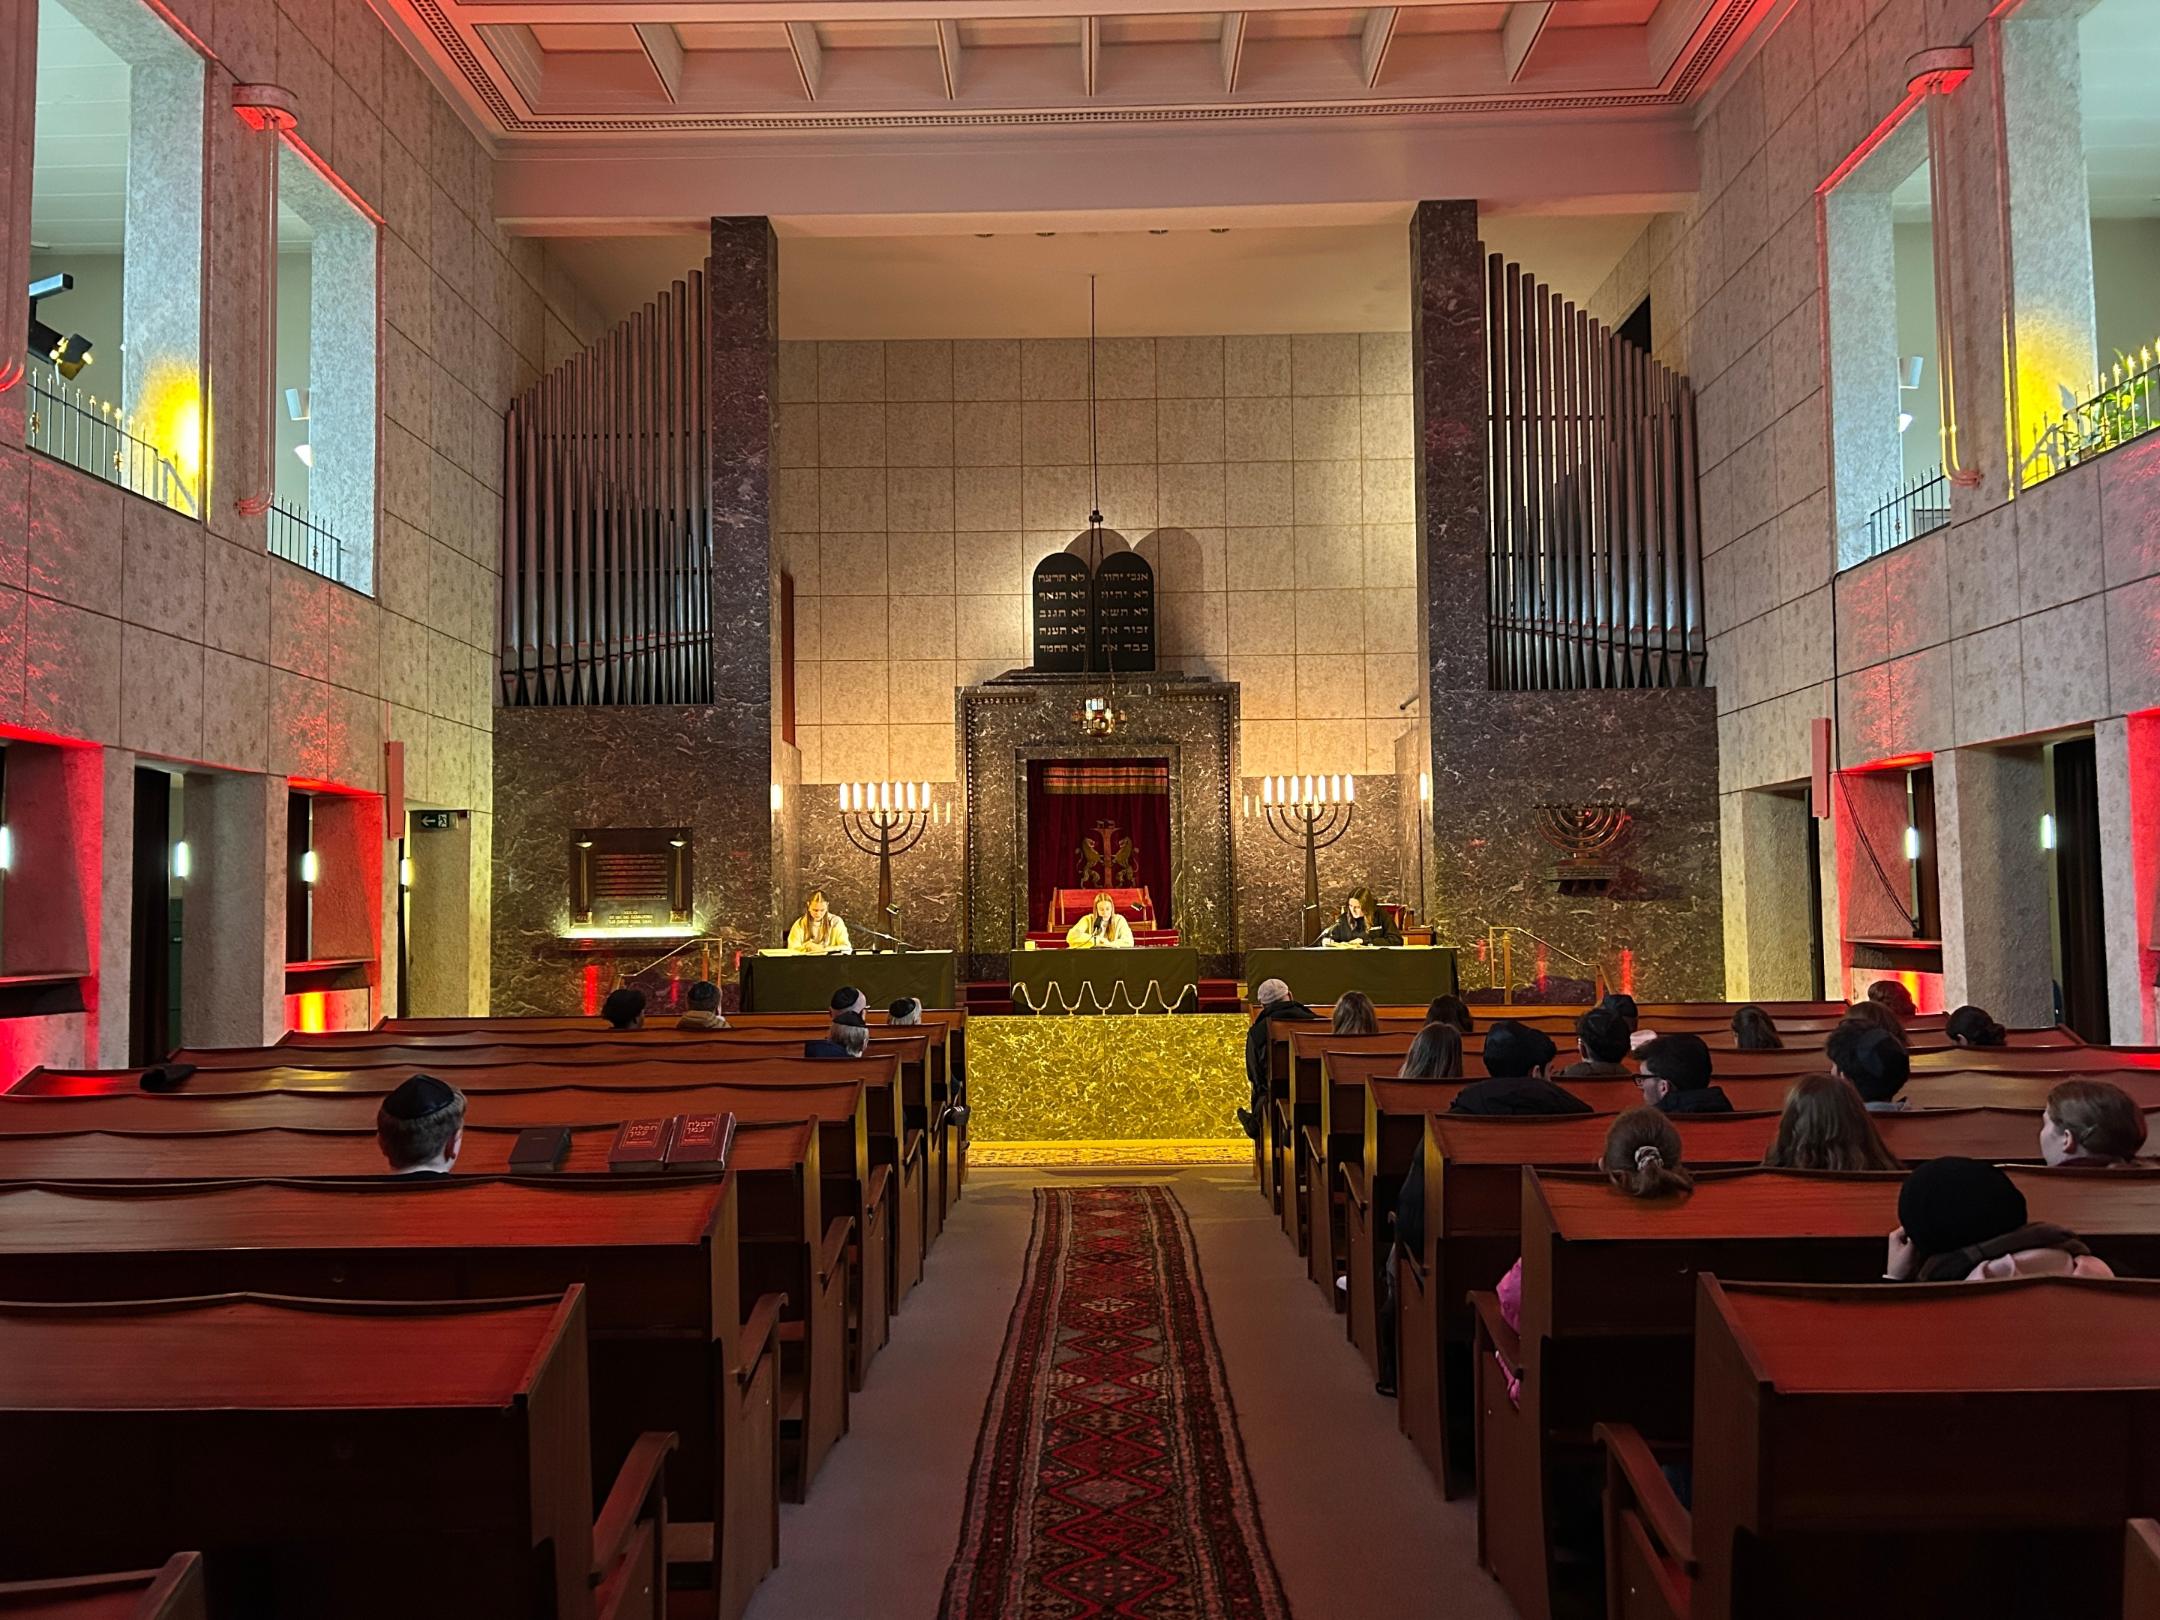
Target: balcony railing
x,y
71,424
299,539
1919,508
2123,405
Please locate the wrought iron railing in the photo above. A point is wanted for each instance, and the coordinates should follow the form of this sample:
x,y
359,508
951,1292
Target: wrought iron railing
x,y
298,538
2124,405
72,425
1921,506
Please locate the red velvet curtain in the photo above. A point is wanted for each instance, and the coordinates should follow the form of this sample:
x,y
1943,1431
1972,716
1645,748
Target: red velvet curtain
x,y
1117,808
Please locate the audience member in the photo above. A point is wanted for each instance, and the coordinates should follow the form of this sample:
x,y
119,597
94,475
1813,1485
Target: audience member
x,y
848,1036
1519,1060
703,1002
1959,1219
420,1127
1451,1010
1675,1077
1893,995
1642,1159
1825,1126
1354,1015
1874,1015
849,999
1276,1003
1624,1006
1973,1026
1435,1054
1755,1031
1873,1059
2091,1125
624,1008
906,1013
1601,1037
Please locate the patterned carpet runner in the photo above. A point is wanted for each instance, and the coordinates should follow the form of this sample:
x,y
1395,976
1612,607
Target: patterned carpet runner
x,y
1109,1478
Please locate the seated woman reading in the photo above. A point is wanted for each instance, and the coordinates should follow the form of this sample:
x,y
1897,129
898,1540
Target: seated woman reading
x,y
1102,926
1361,923
819,930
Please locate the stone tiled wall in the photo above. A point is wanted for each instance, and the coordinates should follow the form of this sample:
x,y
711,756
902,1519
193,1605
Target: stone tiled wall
x,y
130,626
2026,615
1269,479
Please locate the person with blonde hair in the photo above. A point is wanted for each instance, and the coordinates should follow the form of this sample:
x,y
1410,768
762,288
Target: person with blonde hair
x,y
1101,928
1825,1126
1355,1015
819,930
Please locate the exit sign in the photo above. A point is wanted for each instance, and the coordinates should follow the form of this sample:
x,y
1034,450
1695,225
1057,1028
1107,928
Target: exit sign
x,y
435,820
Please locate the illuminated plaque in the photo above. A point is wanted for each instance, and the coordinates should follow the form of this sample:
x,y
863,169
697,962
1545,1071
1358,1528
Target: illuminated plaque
x,y
629,877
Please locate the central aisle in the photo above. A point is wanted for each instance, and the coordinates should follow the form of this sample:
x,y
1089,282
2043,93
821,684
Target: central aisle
x,y
1356,1526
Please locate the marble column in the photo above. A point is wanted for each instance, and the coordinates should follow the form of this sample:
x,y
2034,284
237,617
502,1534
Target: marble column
x,y
1767,913
1447,362
238,324
2128,753
161,274
2051,294
744,331
1997,932
444,952
232,972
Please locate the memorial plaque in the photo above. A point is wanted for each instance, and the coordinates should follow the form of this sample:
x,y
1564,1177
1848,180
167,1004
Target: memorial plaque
x,y
629,877
1125,613
1064,614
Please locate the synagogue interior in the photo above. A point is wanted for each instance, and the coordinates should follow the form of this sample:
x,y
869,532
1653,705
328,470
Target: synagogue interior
x,y
958,809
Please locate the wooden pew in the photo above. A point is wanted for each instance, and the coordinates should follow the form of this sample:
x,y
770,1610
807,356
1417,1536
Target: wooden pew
x,y
331,1460
660,1262
173,1591
1880,1452
1607,1324
880,1184
2141,1570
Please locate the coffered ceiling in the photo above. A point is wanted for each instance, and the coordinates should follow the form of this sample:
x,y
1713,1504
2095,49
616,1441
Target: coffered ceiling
x,y
533,68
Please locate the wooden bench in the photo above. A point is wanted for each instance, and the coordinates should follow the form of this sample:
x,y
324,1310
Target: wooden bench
x,y
2141,1570
660,1263
1608,1324
1882,1452
174,1591
330,1460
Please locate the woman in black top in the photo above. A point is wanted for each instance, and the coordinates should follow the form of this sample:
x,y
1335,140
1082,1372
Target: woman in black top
x,y
1361,923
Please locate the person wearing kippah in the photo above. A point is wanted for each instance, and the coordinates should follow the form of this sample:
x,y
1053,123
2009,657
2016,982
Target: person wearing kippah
x,y
421,1126
905,1013
848,1037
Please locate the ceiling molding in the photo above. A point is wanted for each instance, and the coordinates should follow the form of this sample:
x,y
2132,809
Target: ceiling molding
x,y
1232,49
1378,32
1520,32
948,45
802,38
663,48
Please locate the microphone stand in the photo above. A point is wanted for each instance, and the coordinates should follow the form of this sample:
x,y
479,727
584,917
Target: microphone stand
x,y
898,945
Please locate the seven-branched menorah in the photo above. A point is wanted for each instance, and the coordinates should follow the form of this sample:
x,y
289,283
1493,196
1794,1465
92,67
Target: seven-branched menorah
x,y
887,819
1314,811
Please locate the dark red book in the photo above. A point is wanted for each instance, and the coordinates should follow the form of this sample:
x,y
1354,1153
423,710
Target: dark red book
x,y
702,1141
539,1150
641,1146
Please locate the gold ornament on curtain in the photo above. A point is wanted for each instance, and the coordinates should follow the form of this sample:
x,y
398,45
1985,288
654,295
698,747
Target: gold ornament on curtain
x,y
1107,860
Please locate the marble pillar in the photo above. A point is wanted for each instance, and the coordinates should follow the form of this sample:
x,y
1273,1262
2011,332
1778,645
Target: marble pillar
x,y
743,288
233,957
2128,752
341,368
1768,916
238,325
2051,294
162,267
1447,359
1997,932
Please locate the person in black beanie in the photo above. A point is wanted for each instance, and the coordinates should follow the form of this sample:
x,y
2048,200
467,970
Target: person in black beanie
x,y
421,1126
1960,1219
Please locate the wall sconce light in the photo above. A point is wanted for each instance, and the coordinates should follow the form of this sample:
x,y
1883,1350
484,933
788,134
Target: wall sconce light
x,y
2047,831
404,872
1912,843
182,862
310,868
779,798
7,848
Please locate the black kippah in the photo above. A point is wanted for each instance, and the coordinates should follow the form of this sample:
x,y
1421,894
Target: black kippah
x,y
165,1076
849,1020
419,1097
845,997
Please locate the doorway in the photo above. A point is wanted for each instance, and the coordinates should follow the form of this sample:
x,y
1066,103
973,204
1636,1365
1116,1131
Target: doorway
x,y
154,920
2080,927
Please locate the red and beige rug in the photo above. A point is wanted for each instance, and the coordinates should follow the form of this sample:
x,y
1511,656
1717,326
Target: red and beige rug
x,y
1109,1478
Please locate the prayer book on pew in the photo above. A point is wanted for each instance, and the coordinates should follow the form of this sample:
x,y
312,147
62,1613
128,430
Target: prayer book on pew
x,y
539,1150
641,1146
702,1141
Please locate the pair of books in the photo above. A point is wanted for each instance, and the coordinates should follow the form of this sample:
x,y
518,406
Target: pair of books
x,y
641,1146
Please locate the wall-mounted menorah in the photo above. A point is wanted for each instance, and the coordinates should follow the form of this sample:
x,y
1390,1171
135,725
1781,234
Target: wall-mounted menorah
x,y
1586,836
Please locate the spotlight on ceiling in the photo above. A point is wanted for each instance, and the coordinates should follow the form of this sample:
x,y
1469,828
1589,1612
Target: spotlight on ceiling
x,y
69,353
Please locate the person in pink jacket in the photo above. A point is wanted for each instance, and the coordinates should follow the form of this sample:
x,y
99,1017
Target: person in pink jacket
x,y
1964,1221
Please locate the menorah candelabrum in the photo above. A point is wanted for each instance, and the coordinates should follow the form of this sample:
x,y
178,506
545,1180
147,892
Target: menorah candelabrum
x,y
1311,810
1586,836
887,819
